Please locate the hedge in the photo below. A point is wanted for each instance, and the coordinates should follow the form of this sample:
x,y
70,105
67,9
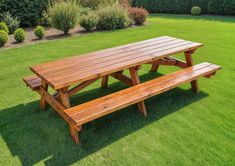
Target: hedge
x,y
28,11
218,7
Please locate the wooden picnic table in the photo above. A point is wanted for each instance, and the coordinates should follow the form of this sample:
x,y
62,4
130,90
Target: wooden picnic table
x,y
70,75
86,69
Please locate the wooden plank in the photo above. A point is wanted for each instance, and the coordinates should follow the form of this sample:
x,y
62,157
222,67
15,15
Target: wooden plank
x,y
34,82
108,60
72,70
149,83
141,92
88,58
99,53
72,78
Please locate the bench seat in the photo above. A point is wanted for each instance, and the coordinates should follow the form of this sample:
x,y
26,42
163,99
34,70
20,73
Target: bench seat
x,y
100,107
34,82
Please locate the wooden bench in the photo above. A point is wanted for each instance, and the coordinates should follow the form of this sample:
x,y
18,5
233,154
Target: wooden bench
x,y
34,82
100,107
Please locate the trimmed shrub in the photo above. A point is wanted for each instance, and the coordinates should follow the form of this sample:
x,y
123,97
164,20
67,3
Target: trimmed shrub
x,y
11,22
89,21
112,17
64,16
3,26
196,10
138,15
19,35
3,38
39,31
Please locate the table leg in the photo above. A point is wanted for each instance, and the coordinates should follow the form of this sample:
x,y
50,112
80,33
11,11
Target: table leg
x,y
42,100
104,81
154,67
136,80
64,96
189,60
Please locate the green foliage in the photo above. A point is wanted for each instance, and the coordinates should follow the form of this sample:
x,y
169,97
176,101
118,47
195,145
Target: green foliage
x,y
11,22
64,15
112,17
138,15
196,10
215,6
3,38
226,7
19,35
89,21
28,11
229,7
39,31
3,26
94,4
44,20
85,11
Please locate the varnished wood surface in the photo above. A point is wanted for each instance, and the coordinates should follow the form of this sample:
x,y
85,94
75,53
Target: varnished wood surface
x,y
69,71
105,105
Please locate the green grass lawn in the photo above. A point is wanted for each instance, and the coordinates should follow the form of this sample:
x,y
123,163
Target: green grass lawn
x,y
182,128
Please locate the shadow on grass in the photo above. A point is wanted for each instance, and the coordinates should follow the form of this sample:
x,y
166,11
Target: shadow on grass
x,y
42,136
228,19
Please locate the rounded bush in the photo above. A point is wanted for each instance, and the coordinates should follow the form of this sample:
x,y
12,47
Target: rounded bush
x,y
3,38
89,21
3,26
39,31
19,35
196,10
138,15
112,17
64,16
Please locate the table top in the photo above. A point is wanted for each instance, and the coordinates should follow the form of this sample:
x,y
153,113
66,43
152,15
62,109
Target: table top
x,y
69,71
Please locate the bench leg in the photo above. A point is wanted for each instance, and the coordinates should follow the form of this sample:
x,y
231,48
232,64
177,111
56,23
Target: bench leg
x,y
154,67
189,60
42,100
104,82
74,134
65,101
136,80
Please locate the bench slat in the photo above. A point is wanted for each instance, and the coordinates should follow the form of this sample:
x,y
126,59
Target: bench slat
x,y
100,107
34,82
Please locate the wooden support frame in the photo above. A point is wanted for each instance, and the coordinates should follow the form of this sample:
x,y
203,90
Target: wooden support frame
x,y
136,80
189,61
42,100
77,88
104,81
169,61
121,77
